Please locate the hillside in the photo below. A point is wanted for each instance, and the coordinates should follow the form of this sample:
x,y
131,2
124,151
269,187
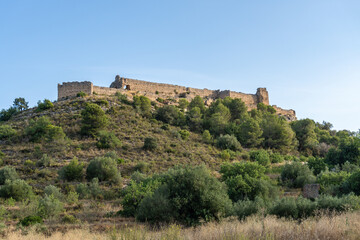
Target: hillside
x,y
104,160
128,125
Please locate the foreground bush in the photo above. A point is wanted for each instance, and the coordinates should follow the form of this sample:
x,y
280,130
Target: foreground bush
x,y
247,180
297,175
260,156
135,193
7,173
108,140
245,208
30,220
46,104
301,208
352,183
228,142
6,131
42,129
189,195
17,189
104,169
150,144
73,171
93,119
51,190
50,206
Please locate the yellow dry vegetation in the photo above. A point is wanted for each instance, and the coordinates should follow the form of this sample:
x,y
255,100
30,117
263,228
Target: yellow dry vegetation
x,y
345,226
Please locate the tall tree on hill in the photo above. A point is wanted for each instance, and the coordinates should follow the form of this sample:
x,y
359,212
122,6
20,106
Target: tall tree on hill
x,y
20,104
93,119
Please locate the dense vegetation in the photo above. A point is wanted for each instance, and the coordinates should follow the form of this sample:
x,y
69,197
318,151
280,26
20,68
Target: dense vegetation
x,y
185,164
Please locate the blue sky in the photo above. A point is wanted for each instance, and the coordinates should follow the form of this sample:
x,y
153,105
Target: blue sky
x,y
306,53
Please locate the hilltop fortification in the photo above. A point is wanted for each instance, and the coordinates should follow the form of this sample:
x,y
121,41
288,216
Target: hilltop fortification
x,y
167,92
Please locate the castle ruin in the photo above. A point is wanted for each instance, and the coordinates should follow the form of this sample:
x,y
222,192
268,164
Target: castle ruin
x,y
168,92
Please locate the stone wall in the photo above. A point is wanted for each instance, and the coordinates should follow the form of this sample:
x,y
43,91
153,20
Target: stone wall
x,y
71,89
311,190
290,114
105,90
155,90
170,93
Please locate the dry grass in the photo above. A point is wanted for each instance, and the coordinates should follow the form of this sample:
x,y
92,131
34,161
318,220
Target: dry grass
x,y
345,226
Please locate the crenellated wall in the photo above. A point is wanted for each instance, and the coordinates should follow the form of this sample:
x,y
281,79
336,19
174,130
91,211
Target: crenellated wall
x,y
70,89
169,92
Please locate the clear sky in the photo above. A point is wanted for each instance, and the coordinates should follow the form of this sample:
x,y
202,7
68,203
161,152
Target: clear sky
x,y
305,52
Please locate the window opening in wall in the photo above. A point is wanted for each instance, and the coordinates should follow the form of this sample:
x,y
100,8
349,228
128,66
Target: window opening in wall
x,y
127,87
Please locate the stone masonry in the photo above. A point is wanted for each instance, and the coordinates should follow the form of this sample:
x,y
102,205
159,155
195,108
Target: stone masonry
x,y
311,190
169,92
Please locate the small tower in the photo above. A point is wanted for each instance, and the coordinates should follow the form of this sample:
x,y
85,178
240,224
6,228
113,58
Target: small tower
x,y
262,96
118,83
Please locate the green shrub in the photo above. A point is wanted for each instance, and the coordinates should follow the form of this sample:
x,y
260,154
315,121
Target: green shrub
x,y
156,208
70,219
297,175
45,161
93,119
138,176
52,190
306,208
108,140
82,190
73,171
6,132
103,168
46,104
135,192
352,183
102,102
184,134
245,208
150,144
7,173
316,165
143,105
285,207
122,98
2,156
6,114
330,203
49,206
72,198
260,156
328,180
192,194
225,154
81,94
141,167
171,115
30,220
276,158
94,189
42,128
206,137
228,142
17,189
247,180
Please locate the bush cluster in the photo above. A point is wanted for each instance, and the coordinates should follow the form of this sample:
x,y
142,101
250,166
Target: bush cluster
x,y
6,132
73,171
42,129
187,195
108,140
46,104
104,169
297,175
